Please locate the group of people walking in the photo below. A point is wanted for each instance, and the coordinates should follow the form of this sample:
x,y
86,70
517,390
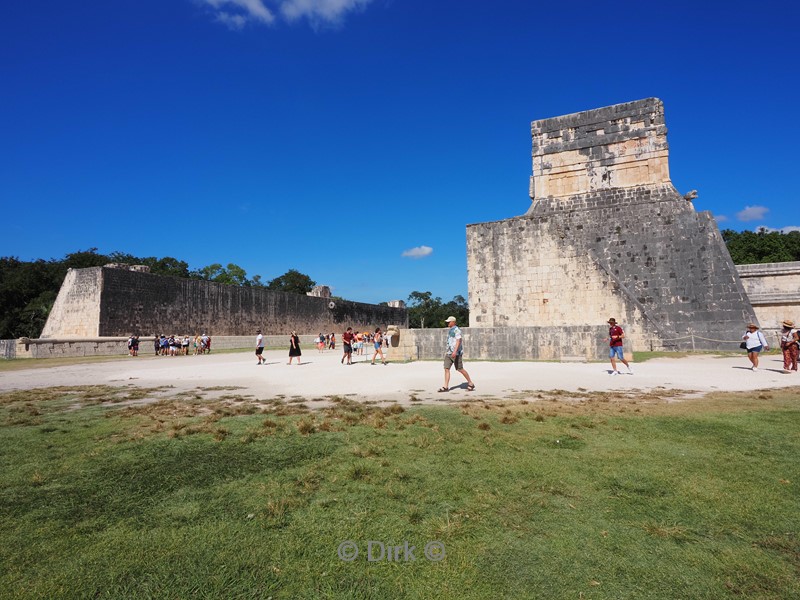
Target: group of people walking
x,y
353,343
754,342
175,345
454,349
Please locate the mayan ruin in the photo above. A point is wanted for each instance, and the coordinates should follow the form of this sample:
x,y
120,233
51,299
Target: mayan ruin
x,y
607,234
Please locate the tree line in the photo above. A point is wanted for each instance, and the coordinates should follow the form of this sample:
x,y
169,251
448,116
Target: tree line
x,y
762,246
28,289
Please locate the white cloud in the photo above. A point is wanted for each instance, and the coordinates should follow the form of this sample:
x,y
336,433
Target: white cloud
x,y
320,11
235,14
231,21
752,213
786,229
418,252
720,218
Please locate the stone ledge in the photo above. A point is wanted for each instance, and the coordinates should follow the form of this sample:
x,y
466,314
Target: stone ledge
x,y
760,270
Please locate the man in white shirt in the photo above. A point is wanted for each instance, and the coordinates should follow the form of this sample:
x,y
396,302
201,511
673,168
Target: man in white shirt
x,y
260,348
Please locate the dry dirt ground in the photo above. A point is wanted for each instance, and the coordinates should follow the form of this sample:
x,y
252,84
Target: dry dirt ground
x,y
322,376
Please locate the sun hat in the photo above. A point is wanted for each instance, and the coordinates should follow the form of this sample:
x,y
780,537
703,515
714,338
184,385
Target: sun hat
x,y
788,323
753,325
612,321
448,319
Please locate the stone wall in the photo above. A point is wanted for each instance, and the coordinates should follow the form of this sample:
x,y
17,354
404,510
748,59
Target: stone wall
x,y
607,235
107,302
118,346
774,292
508,343
76,312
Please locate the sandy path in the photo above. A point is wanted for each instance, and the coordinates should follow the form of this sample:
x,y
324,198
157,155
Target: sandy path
x,y
323,375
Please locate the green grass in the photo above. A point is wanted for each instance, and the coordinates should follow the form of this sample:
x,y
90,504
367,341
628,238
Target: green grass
x,y
565,496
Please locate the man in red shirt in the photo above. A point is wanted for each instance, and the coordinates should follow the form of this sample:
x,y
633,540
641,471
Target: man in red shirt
x,y
347,339
615,336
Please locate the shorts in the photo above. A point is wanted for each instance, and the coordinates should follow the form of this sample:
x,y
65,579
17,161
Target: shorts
x,y
615,351
458,361
377,345
259,350
348,348
756,349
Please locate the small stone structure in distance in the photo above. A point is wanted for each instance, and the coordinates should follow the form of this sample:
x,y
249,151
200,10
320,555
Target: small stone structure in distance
x,y
606,235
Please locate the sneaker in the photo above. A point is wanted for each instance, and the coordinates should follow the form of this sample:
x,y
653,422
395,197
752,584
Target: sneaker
x,y
615,372
754,369
630,371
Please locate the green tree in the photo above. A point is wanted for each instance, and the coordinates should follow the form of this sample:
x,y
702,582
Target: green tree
x,y
458,308
230,275
159,266
85,258
426,311
751,247
27,293
292,281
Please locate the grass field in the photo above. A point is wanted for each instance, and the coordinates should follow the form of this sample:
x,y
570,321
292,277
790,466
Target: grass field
x,y
550,496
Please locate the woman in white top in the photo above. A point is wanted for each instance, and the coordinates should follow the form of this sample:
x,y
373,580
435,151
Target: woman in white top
x,y
755,342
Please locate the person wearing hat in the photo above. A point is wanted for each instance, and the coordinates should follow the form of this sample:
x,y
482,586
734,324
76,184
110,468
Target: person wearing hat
x,y
454,356
260,348
789,345
615,337
754,342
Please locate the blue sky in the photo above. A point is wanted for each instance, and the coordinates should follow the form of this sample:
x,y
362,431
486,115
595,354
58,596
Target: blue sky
x,y
335,136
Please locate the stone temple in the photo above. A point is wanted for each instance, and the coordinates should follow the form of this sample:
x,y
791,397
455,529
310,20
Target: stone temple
x,y
607,235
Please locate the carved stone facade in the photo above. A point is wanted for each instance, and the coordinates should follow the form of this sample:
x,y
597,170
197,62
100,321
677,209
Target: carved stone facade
x,y
607,235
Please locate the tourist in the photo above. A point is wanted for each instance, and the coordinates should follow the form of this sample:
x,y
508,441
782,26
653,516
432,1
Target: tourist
x,y
260,348
347,341
454,355
196,345
377,343
208,343
754,342
164,345
135,345
157,344
294,347
321,342
130,345
332,341
615,337
185,345
790,345
359,347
